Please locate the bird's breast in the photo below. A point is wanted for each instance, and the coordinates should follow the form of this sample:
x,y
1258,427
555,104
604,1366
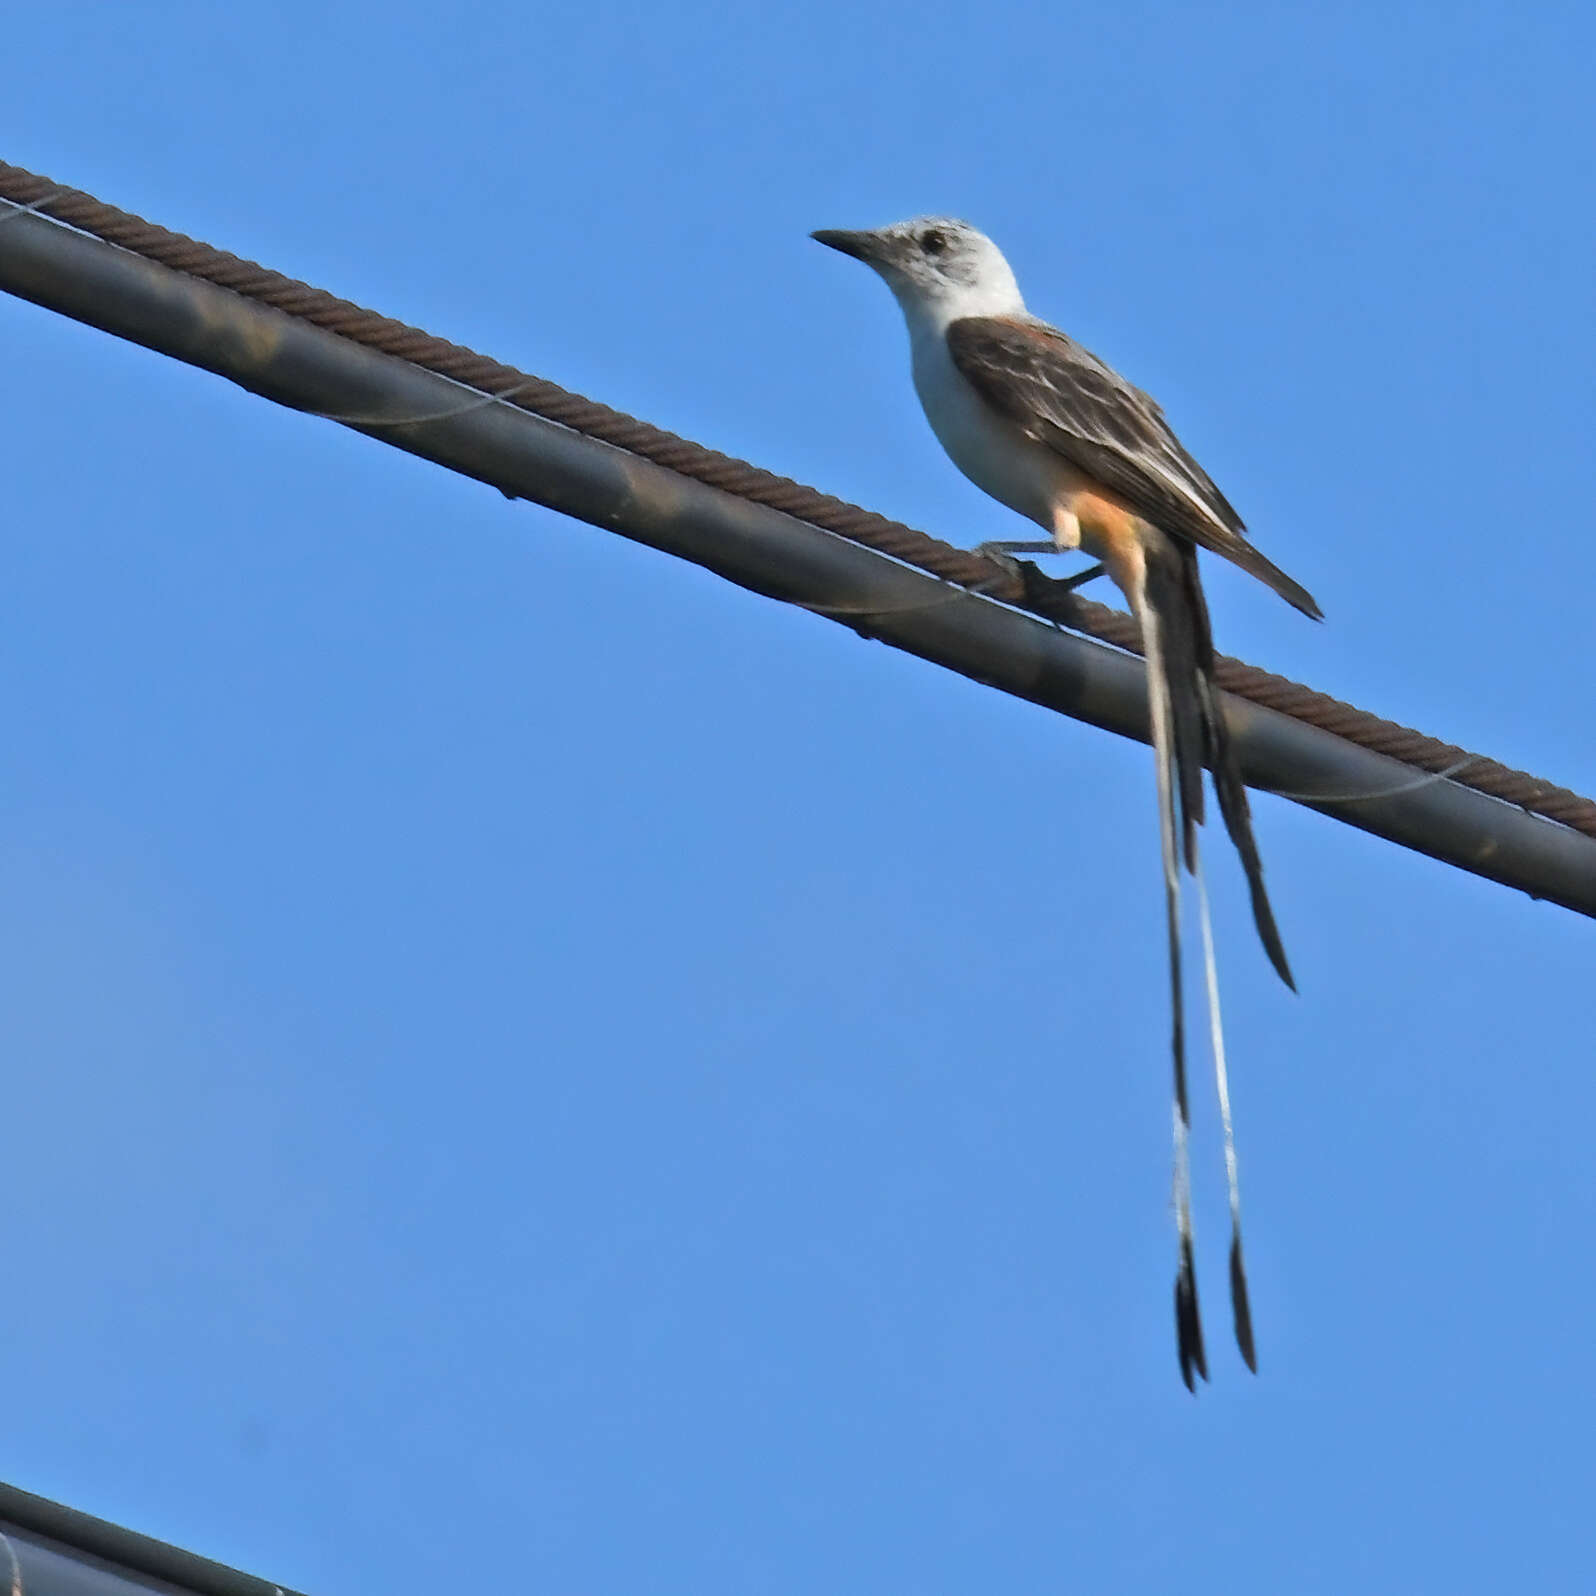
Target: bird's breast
x,y
987,447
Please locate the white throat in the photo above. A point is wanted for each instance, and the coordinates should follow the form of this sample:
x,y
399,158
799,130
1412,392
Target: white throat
x,y
930,309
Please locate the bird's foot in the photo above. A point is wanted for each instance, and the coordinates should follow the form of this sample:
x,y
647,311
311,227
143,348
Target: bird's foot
x,y
1003,554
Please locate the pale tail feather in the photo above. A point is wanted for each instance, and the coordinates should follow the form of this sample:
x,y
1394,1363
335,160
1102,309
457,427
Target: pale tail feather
x,y
1241,1308
1189,733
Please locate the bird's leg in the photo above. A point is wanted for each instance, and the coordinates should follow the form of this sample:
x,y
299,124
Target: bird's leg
x,y
1002,554
1081,578
1066,540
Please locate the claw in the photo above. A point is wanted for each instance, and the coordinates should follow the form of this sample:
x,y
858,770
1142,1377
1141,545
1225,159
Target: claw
x,y
1003,554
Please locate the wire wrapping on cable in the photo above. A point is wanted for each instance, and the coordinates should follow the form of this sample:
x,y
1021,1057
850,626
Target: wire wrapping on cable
x,y
553,403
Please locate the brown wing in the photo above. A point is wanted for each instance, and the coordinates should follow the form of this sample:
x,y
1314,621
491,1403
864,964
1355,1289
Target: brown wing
x,y
1068,399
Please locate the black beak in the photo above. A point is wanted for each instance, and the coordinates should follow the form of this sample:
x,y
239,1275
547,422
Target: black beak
x,y
862,246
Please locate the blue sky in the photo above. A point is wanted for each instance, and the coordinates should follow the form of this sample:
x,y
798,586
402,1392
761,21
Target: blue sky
x,y
529,1067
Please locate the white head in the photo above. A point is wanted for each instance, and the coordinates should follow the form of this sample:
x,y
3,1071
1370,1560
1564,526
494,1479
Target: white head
x,y
940,269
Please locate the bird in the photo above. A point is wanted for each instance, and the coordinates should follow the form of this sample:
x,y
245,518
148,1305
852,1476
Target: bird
x,y
1058,436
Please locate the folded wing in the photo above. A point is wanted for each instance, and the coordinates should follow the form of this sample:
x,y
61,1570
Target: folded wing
x,y
1063,396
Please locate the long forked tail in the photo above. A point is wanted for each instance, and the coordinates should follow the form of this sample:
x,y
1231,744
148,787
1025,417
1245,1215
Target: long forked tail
x,y
1173,723
1189,734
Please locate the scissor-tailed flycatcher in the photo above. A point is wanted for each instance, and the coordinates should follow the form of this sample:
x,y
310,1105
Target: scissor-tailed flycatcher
x,y
1048,429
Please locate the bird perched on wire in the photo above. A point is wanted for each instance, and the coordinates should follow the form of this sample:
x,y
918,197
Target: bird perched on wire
x,y
1057,435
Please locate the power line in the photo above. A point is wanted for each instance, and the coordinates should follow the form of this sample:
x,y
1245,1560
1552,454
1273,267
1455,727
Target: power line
x,y
304,348
50,1550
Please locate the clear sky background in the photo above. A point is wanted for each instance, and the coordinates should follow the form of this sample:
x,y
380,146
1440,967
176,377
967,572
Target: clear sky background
x,y
529,1068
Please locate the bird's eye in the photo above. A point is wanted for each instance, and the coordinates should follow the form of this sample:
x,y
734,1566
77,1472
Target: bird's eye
x,y
933,241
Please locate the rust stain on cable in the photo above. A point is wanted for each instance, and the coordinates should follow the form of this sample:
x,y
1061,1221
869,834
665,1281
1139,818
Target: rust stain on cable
x,y
745,481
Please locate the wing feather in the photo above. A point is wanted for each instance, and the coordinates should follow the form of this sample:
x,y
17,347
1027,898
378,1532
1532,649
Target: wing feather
x,y
1066,398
